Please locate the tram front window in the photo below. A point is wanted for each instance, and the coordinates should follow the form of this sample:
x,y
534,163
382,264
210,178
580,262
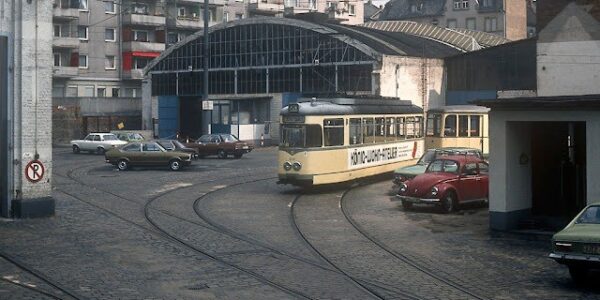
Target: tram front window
x,y
301,136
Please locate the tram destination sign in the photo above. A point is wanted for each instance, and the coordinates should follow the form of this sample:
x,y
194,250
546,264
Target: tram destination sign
x,y
369,156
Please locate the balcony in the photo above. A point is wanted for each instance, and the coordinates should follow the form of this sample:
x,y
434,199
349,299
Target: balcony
x,y
144,20
133,74
185,22
143,47
201,2
65,72
269,8
65,42
65,13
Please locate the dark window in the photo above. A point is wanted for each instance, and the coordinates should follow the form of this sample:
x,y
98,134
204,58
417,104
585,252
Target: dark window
x,y
483,168
463,126
475,126
379,130
333,132
470,169
301,136
132,148
151,148
390,128
434,125
401,128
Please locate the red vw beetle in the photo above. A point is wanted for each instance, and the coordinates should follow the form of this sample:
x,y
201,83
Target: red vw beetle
x,y
448,182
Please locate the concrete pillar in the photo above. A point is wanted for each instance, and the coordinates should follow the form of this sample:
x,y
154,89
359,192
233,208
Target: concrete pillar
x,y
29,23
147,103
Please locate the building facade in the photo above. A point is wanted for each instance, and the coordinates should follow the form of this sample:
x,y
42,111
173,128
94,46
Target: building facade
x,y
345,12
100,48
259,65
544,163
506,18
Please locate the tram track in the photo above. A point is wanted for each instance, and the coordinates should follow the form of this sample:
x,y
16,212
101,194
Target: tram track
x,y
176,240
405,259
22,266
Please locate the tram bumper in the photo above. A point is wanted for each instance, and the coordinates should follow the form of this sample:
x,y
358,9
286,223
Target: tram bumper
x,y
295,179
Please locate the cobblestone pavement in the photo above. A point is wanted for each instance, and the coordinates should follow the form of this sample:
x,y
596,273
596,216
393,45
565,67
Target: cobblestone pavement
x,y
222,229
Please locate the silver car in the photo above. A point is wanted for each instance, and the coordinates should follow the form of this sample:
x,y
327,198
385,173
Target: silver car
x,y
97,142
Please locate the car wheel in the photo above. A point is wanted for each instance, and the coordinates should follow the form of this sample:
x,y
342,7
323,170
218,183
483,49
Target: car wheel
x,y
123,165
76,149
222,154
175,165
100,150
407,205
449,203
238,156
578,273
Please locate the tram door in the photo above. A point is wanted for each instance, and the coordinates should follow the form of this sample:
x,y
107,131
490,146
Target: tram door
x,y
221,119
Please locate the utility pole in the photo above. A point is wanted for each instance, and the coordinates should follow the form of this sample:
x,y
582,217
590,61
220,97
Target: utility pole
x,y
206,114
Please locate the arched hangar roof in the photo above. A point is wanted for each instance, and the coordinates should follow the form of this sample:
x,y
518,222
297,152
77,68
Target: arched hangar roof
x,y
371,45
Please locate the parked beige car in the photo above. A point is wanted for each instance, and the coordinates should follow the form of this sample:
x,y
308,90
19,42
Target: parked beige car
x,y
97,142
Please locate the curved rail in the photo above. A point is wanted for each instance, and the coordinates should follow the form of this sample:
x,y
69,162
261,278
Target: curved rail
x,y
400,256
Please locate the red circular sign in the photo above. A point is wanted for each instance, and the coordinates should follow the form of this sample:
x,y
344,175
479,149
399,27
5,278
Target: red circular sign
x,y
34,171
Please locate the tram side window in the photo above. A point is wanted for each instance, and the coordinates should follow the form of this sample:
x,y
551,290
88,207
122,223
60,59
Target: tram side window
x,y
333,131
390,129
411,127
419,127
368,131
379,130
475,126
434,124
314,137
355,131
463,126
450,126
401,128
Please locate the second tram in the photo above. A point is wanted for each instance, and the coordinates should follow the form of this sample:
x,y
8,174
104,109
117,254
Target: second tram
x,y
458,126
342,139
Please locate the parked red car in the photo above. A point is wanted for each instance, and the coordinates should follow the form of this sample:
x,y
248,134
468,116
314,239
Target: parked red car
x,y
448,182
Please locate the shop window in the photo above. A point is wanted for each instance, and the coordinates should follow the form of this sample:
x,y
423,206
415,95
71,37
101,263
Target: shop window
x,y
355,131
463,126
368,131
333,132
450,126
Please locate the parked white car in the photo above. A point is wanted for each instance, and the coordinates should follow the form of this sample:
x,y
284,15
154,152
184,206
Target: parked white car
x,y
97,142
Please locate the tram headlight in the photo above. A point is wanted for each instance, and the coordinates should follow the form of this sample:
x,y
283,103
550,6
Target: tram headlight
x,y
287,166
297,166
434,191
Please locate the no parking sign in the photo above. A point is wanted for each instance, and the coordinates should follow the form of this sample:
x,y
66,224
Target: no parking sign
x,y
34,171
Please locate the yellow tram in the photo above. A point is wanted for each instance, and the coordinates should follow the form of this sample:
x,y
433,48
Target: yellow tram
x,y
341,139
458,126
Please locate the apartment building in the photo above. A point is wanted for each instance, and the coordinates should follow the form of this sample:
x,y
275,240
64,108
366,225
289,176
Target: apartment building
x,y
100,47
349,12
507,18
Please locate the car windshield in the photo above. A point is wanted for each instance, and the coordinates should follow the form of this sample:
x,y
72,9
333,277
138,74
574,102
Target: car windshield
x,y
590,216
427,157
228,138
110,137
443,165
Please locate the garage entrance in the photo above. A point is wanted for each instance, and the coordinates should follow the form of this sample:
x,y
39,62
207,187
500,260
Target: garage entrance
x,y
558,175
190,117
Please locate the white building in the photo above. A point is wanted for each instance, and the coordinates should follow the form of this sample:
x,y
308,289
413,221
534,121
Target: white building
x,y
544,166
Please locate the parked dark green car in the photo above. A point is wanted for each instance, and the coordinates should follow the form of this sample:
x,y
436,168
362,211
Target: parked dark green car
x,y
578,245
147,154
409,172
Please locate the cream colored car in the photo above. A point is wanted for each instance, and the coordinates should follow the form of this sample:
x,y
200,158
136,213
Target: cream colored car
x,y
97,143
